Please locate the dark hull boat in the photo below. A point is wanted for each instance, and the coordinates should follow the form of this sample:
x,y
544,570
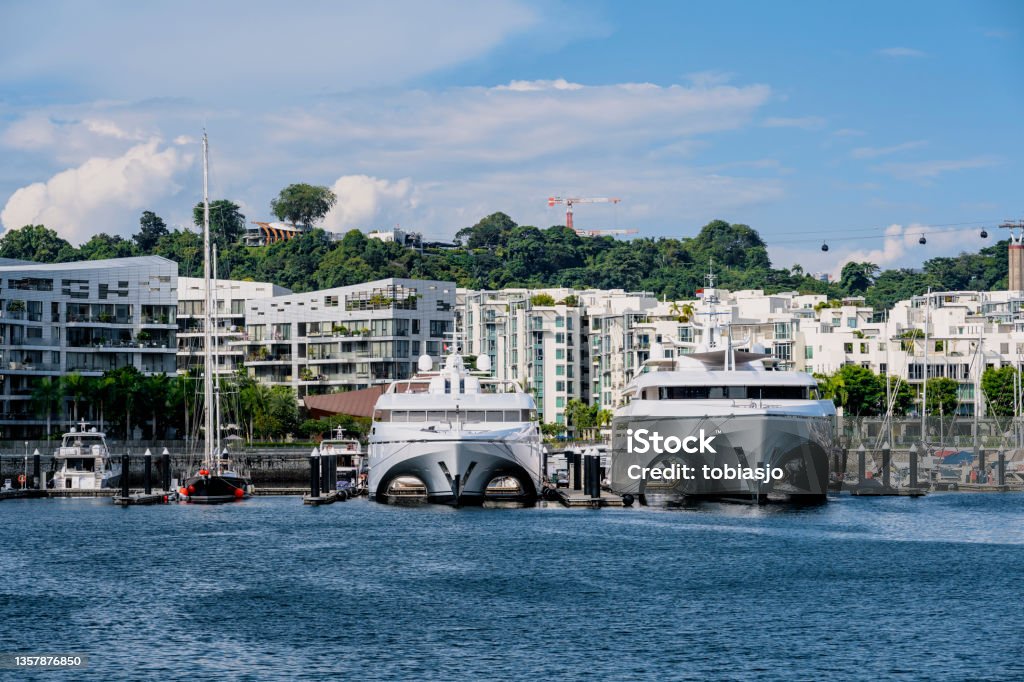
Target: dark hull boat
x,y
210,488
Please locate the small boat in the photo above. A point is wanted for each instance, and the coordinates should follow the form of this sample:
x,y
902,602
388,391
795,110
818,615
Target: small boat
x,y
351,466
83,462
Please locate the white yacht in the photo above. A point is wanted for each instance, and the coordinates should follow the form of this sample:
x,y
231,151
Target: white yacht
x,y
82,462
351,464
766,432
456,437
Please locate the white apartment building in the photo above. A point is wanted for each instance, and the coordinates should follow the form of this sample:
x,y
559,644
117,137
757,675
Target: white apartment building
x,y
87,317
348,337
543,345
230,297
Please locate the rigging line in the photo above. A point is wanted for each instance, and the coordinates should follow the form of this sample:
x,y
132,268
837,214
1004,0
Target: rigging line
x,y
915,226
906,233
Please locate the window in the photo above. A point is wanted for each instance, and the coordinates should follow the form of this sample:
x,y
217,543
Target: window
x,y
560,370
847,347
560,338
863,348
851,322
808,352
559,354
559,401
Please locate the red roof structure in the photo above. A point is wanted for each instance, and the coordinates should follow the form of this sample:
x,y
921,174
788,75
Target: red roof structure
x,y
353,403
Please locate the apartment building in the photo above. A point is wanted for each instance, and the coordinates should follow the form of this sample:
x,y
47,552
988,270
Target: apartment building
x,y
230,298
347,337
87,317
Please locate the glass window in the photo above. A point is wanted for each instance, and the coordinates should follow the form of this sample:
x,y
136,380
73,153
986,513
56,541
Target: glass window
x,y
495,416
475,415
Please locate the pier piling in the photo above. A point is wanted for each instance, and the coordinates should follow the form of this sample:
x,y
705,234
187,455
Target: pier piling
x,y
912,455
324,461
165,469
125,473
147,483
982,478
886,464
577,483
1001,468
314,475
861,465
39,484
595,476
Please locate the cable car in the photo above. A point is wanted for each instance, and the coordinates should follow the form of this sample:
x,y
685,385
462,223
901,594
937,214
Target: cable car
x,y
922,240
824,246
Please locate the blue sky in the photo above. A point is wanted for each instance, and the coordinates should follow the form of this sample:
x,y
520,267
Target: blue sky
x,y
865,124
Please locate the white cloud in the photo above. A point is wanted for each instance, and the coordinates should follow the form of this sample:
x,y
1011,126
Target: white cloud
x,y
875,152
901,52
362,200
194,48
849,132
535,86
100,195
924,171
803,122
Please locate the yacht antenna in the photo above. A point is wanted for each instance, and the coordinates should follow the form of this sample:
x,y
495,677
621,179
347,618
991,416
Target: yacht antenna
x,y
208,444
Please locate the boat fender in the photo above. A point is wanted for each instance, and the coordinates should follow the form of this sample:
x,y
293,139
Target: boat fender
x,y
191,489
343,495
627,500
239,493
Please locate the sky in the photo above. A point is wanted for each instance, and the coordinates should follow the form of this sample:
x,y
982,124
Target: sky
x,y
861,124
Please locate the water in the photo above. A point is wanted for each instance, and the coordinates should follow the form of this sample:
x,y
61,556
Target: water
x,y
270,589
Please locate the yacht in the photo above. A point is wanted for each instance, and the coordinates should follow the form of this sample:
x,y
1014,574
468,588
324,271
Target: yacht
x,y
82,462
216,480
351,464
455,437
763,434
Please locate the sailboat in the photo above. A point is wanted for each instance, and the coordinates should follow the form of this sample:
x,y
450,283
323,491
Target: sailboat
x,y
215,481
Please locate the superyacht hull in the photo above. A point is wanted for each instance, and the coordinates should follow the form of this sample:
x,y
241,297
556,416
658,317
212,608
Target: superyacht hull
x,y
454,470
796,444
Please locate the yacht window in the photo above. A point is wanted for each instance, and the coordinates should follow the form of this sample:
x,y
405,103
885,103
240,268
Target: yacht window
x,y
382,415
777,392
683,392
513,416
436,416
475,416
716,392
417,415
495,415
736,392
399,416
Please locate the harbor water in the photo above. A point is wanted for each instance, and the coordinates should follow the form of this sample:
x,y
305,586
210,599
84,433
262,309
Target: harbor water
x,y
271,589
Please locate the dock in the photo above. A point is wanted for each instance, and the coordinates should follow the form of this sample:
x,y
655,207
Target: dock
x,y
575,499
325,498
144,498
878,491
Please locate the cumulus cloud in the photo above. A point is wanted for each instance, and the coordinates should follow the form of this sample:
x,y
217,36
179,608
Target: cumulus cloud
x,y
364,201
100,195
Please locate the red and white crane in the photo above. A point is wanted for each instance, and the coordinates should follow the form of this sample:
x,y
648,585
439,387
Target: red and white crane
x,y
570,201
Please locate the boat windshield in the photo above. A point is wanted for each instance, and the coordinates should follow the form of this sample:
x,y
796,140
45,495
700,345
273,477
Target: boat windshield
x,y
735,393
464,416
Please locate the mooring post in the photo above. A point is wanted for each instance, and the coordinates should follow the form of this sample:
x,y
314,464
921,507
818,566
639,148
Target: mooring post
x,y
148,468
36,471
912,455
333,468
314,473
1001,468
165,465
576,473
544,470
886,464
982,478
861,464
324,460
595,475
125,471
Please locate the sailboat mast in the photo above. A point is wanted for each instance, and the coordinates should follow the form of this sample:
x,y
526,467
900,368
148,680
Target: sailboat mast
x,y
216,358
207,336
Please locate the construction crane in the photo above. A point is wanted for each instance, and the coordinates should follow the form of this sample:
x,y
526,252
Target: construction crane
x,y
570,201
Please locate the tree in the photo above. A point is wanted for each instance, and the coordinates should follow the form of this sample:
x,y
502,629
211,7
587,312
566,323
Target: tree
x,y
856,278
998,385
859,391
125,385
154,392
542,300
46,395
151,229
76,387
227,224
552,430
36,243
303,204
942,396
102,246
683,311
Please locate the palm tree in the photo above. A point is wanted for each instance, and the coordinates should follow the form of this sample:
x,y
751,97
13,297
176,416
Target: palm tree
x,y
46,394
682,311
153,393
75,387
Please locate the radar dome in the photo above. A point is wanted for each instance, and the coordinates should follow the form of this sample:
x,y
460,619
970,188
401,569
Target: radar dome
x,y
483,363
425,364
